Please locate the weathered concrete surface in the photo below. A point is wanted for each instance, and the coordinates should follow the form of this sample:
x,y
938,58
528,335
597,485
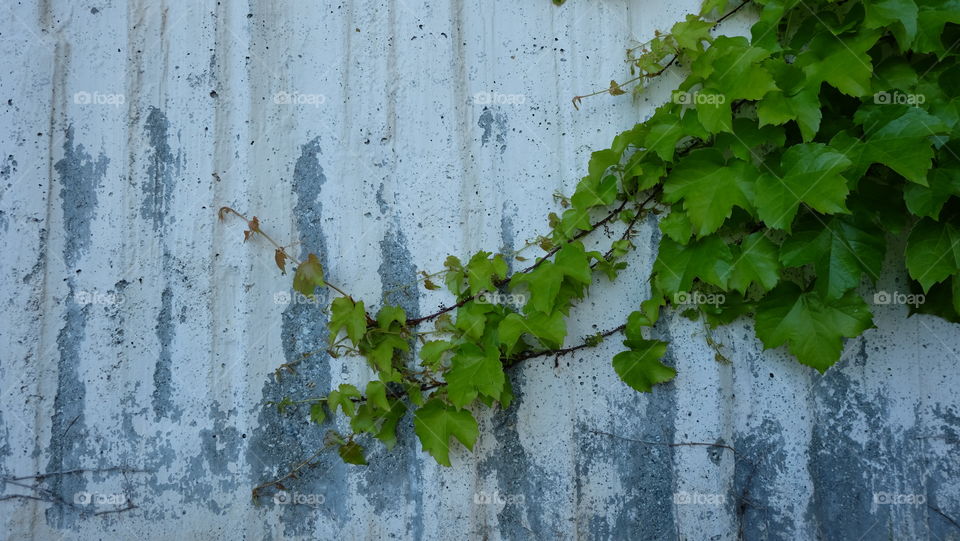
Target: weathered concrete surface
x,y
138,333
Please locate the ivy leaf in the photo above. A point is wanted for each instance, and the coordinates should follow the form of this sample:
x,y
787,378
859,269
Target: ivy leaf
x,y
640,367
926,201
435,422
734,69
846,67
677,266
550,329
472,372
309,276
345,314
777,108
932,17
377,395
709,188
573,261
343,397
544,286
747,136
811,174
432,351
933,252
454,275
482,270
691,33
317,413
841,251
755,262
388,430
472,319
812,327
352,453
901,15
594,191
677,225
714,111
665,131
389,314
899,137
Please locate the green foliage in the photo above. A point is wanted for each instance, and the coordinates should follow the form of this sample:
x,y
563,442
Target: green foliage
x,y
785,167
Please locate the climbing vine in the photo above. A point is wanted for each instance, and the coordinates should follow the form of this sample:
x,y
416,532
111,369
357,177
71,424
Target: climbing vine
x,y
786,165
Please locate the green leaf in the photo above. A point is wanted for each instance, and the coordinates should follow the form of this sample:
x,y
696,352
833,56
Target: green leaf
x,y
511,328
309,276
482,270
472,319
432,351
435,422
389,314
550,329
709,188
388,430
377,395
812,327
777,108
713,110
933,252
755,262
594,192
747,136
345,314
572,260
352,453
641,368
317,413
474,371
733,68
677,266
931,19
899,137
665,131
900,15
928,201
677,225
811,175
691,33
343,398
841,251
454,276
842,61
544,286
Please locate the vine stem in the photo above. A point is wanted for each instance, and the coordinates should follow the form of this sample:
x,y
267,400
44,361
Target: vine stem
x,y
499,283
578,99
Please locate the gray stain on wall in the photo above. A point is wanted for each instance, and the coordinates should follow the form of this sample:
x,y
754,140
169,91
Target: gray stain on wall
x,y
80,175
282,441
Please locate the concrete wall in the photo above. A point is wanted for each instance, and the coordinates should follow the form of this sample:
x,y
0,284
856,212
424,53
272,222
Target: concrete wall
x,y
140,336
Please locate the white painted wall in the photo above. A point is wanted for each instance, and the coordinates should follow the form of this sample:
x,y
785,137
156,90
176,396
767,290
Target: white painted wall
x,y
395,169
